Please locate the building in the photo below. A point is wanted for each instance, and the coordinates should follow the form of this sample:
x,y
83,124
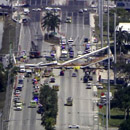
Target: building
x,y
125,4
125,27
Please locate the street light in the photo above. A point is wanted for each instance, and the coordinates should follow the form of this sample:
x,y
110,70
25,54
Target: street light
x,y
108,89
1,122
115,48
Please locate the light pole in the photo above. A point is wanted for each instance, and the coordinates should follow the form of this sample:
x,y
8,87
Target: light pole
x,y
1,121
100,9
114,48
108,88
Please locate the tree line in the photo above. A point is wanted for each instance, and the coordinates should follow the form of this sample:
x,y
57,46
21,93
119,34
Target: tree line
x,y
48,99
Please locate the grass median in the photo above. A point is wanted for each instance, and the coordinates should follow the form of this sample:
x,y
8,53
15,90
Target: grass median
x,y
7,39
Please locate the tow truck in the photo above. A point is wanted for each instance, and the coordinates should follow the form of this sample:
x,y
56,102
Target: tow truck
x,y
34,52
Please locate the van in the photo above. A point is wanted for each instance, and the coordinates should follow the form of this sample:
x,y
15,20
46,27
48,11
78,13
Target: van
x,y
22,68
28,73
26,11
70,41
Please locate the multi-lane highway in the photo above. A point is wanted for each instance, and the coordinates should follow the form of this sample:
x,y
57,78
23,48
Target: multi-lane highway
x,y
77,30
81,113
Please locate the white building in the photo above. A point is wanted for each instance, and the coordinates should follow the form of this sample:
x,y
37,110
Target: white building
x,y
124,26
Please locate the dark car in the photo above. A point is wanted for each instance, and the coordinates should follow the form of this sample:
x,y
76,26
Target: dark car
x,y
52,80
62,47
21,81
40,110
74,75
61,73
71,54
85,79
90,78
85,39
50,58
70,49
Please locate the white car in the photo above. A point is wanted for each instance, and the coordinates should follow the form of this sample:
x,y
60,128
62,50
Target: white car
x,y
17,92
89,84
36,9
48,8
63,41
74,126
88,87
85,9
68,20
79,53
99,87
70,41
81,11
19,108
22,71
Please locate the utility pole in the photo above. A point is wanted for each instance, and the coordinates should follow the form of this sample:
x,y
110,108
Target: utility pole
x,y
100,10
108,89
114,48
101,25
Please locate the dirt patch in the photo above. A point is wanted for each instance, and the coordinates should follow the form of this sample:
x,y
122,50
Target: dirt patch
x,y
53,40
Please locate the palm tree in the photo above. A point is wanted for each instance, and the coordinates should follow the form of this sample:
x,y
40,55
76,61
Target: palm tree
x,y
46,21
122,38
50,21
55,22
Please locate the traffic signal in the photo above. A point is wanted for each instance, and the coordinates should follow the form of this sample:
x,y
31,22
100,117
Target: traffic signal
x,y
102,94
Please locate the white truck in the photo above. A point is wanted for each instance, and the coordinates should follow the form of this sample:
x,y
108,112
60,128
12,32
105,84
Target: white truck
x,y
26,11
64,55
